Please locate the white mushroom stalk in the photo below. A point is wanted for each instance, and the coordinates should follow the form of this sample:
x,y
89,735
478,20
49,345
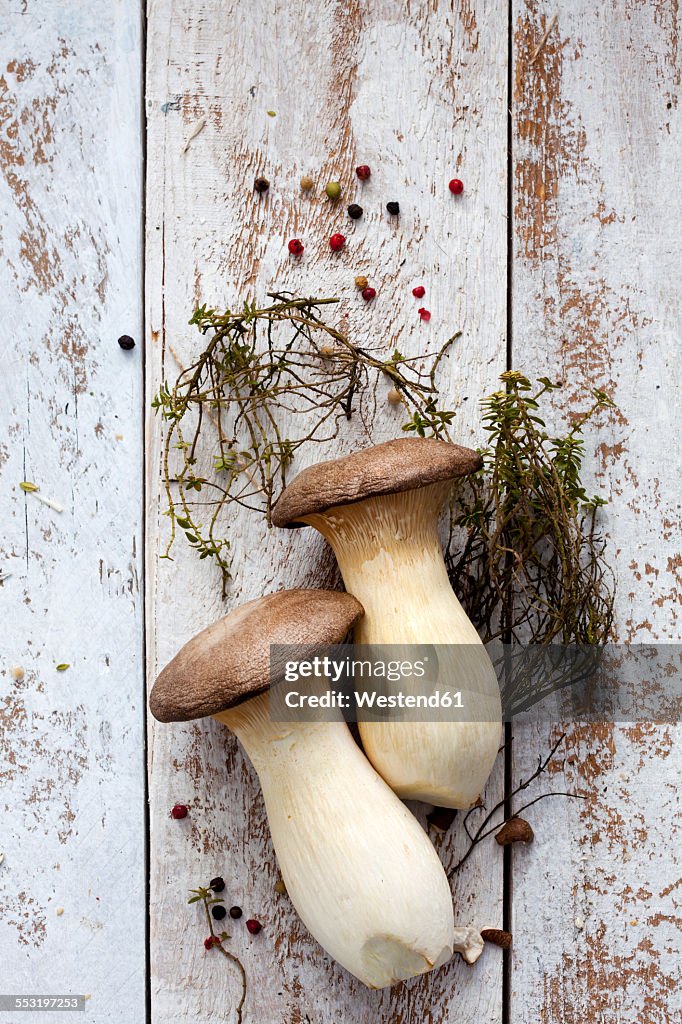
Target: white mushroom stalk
x,y
359,869
379,511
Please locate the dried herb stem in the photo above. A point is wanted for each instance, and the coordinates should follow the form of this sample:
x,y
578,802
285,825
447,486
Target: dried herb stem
x,y
485,829
269,380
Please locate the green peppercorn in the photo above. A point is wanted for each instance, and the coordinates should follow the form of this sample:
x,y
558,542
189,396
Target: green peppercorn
x,y
333,190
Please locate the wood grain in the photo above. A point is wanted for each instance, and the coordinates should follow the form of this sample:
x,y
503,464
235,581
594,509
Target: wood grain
x,y
72,885
417,93
597,301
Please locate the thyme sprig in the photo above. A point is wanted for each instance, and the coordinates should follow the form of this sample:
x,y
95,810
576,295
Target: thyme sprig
x,y
207,897
532,568
269,380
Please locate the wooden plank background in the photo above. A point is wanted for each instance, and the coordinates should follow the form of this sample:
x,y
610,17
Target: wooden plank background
x,y
436,107
72,785
581,264
596,301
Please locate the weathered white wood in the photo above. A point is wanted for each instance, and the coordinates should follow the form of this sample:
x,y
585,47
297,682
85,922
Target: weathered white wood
x,y
419,94
597,302
72,885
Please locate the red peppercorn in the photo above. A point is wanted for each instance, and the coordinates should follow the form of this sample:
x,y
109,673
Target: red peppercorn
x,y
368,294
456,187
253,926
296,247
337,242
211,941
419,292
363,172
424,313
179,811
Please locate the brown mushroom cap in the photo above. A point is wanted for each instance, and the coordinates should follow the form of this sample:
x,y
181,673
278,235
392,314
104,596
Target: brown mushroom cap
x,y
229,662
389,468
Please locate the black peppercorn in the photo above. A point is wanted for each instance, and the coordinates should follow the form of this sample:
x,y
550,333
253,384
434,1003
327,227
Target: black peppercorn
x,y
236,913
261,184
126,342
393,209
217,884
218,912
355,211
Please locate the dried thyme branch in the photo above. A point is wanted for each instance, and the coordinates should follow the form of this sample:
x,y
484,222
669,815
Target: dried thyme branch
x,y
207,897
262,367
526,557
483,831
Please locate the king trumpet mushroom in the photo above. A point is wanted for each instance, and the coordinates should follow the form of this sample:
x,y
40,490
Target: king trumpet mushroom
x,y
358,867
379,510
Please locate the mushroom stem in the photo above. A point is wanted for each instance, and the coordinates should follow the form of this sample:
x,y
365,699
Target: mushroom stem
x,y
359,869
390,556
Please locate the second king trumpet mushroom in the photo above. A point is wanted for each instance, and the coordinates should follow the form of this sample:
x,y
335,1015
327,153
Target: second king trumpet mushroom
x,y
359,869
379,509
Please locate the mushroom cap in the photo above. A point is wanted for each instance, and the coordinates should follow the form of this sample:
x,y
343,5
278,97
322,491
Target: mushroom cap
x,y
401,465
229,662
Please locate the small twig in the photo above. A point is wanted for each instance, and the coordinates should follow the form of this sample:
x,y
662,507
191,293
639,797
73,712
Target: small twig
x,y
202,893
543,39
482,832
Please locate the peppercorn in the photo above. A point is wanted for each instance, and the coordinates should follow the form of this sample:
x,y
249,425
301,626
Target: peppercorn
x,y
361,282
217,884
333,190
394,396
424,313
355,211
368,294
236,913
363,172
218,912
253,926
126,342
456,187
306,183
393,208
261,184
179,811
211,941
419,292
296,247
337,242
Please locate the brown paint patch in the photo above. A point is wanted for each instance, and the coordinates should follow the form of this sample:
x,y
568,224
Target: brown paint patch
x,y
597,984
550,142
467,16
25,914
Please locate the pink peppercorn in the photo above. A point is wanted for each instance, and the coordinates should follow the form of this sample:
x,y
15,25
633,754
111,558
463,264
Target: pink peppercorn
x,y
179,811
419,292
296,247
363,172
424,314
337,242
211,941
456,187
368,294
253,926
